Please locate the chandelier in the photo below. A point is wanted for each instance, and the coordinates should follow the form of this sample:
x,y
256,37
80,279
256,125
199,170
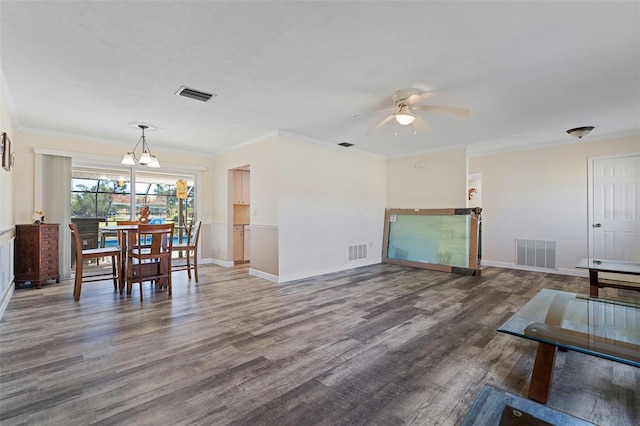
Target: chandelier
x,y
146,158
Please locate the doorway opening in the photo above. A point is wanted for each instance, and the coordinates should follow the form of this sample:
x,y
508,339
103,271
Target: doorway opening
x,y
240,213
474,190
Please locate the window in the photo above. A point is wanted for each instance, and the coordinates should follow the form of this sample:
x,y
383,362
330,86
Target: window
x,y
105,194
100,194
157,191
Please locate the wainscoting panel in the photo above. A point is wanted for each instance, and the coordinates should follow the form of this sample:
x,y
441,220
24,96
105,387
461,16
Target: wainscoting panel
x,y
6,267
264,249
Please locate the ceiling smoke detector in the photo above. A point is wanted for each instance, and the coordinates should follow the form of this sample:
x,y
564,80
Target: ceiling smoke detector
x,y
195,94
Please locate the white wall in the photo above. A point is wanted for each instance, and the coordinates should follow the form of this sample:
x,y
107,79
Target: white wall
x,y
309,202
261,155
7,178
540,194
7,216
439,181
328,199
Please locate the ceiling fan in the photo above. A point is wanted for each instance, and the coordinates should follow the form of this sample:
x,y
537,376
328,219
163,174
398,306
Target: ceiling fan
x,y
406,103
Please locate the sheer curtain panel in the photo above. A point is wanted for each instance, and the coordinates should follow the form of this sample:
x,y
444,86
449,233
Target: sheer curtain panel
x,y
56,203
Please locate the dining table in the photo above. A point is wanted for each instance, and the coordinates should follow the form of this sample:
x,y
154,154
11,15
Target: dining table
x,y
127,235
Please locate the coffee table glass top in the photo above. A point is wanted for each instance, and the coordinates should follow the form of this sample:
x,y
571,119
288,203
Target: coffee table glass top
x,y
600,327
616,266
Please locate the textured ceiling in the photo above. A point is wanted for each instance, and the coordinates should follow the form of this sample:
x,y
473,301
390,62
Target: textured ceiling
x,y
528,71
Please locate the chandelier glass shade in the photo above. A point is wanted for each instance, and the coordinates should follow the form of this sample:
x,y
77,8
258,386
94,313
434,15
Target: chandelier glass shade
x,y
146,158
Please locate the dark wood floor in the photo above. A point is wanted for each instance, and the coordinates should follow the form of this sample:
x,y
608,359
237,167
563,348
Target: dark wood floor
x,y
379,345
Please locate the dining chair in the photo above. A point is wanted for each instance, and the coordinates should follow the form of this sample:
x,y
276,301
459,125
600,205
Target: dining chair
x,y
150,258
86,254
191,248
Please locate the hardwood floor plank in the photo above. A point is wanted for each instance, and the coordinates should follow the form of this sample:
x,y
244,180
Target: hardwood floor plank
x,y
378,345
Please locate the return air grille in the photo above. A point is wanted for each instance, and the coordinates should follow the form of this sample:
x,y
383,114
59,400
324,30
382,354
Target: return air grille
x,y
358,251
194,94
536,253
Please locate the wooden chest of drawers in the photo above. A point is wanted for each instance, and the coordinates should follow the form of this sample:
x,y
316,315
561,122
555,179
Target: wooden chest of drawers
x,y
36,253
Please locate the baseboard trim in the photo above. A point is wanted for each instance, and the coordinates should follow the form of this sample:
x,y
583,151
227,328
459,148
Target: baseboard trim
x,y
6,298
223,263
264,275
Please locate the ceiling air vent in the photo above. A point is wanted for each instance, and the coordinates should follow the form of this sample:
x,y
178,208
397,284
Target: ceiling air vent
x,y
194,94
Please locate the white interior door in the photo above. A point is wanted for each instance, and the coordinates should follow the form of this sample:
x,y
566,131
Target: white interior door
x,y
615,205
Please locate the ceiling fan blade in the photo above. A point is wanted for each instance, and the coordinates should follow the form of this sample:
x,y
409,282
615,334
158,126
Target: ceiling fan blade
x,y
418,97
420,125
373,112
463,112
411,96
380,124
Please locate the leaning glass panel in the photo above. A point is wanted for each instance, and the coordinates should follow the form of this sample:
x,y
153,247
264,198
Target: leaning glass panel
x,y
430,239
445,240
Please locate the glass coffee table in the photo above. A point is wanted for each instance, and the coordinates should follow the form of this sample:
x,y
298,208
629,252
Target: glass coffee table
x,y
555,319
595,266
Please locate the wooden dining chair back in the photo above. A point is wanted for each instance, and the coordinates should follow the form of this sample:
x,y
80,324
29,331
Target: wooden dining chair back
x,y
191,249
83,255
150,258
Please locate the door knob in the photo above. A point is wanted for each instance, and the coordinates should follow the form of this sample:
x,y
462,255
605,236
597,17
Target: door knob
x,y
597,225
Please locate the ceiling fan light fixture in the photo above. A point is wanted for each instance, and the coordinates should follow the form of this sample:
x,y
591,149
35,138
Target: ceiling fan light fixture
x,y
406,108
579,132
405,118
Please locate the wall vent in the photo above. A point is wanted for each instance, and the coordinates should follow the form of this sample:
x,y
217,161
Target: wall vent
x,y
194,94
536,253
358,251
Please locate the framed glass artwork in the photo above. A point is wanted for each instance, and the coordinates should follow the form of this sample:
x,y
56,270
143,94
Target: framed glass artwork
x,y
6,152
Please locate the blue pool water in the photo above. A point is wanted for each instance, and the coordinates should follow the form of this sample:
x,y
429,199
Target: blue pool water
x,y
113,242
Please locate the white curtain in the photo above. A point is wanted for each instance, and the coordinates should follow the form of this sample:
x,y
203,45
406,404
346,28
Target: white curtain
x,y
56,203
